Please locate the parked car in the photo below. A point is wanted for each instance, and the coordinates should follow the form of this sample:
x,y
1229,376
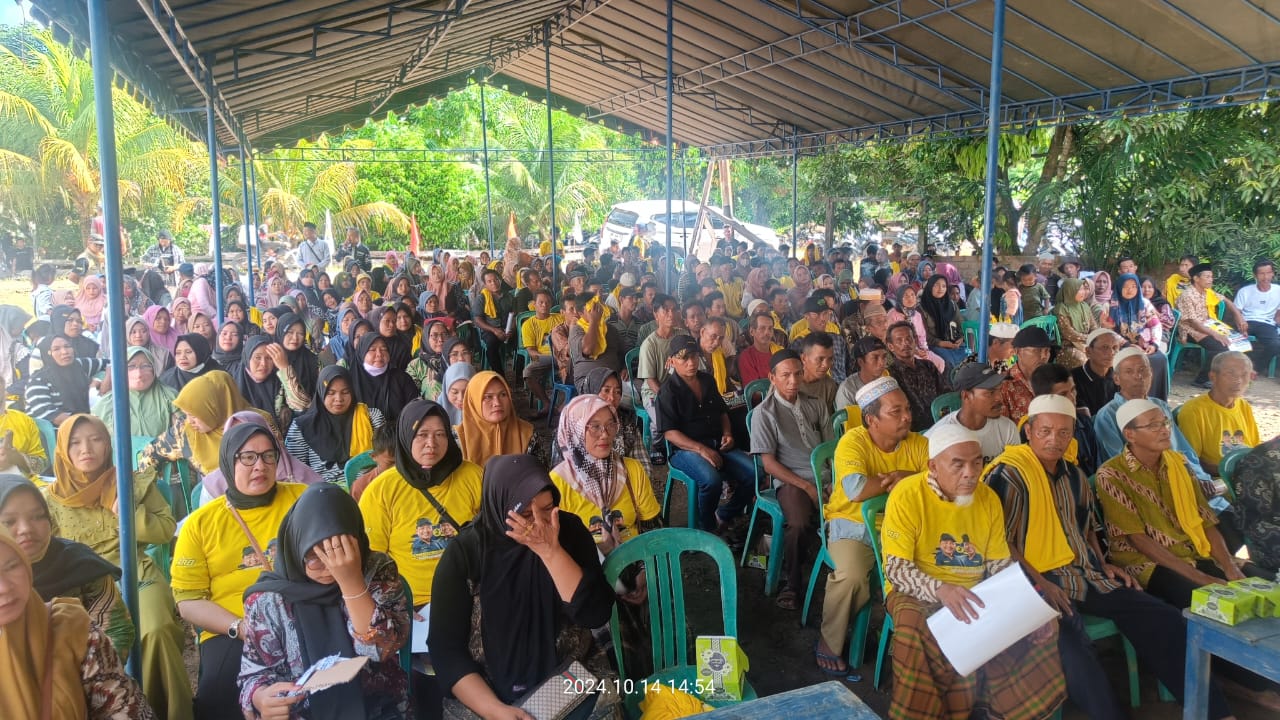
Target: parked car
x,y
648,219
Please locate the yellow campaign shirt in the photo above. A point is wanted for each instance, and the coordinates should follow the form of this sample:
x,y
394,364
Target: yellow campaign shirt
x,y
945,541
536,333
403,523
1214,430
214,556
801,328
732,292
857,455
646,504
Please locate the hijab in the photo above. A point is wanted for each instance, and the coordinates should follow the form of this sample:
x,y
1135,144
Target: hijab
x,y
153,286
182,326
61,629
177,378
398,349
12,322
481,439
212,397
418,477
202,297
1080,314
321,512
260,394
75,488
457,371
755,283
139,302
329,435
389,391
339,339
63,565
278,311
226,358
164,340
306,367
1103,298
150,410
288,469
91,308
943,312
601,481
83,346
1158,300
1127,311
72,381
232,441
901,293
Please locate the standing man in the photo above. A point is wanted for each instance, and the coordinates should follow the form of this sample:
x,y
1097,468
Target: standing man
x,y
353,247
1260,303
164,256
312,250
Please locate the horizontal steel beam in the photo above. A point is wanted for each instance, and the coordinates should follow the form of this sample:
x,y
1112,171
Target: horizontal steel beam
x,y
421,53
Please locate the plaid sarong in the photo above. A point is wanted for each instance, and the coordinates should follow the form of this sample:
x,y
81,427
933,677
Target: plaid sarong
x,y
1022,683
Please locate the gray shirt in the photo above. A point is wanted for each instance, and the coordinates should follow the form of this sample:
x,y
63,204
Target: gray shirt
x,y
611,358
653,361
776,429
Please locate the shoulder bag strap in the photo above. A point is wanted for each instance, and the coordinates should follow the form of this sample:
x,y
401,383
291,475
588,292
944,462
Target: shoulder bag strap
x,y
253,541
445,517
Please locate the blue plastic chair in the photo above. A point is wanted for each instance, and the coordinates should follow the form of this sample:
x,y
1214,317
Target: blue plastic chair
x,y
355,466
691,489
766,502
661,551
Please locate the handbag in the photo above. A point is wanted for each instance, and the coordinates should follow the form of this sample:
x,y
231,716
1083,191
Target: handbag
x,y
560,694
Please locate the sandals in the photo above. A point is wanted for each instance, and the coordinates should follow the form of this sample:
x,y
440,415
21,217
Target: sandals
x,y
819,657
787,600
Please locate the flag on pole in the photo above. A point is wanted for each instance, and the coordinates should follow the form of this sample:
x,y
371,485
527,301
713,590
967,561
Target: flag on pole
x,y
328,232
415,239
512,232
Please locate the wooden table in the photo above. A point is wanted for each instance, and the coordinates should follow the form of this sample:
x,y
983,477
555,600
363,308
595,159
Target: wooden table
x,y
827,700
1253,644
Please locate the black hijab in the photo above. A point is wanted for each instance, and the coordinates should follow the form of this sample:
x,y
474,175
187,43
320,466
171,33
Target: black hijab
x,y
390,391
424,350
321,512
261,395
417,476
71,381
153,287
349,345
227,358
304,362
329,435
232,441
176,377
943,312
83,346
399,349
66,565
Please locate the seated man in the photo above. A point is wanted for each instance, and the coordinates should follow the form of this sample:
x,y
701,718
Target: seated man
x,y
535,337
1221,420
1257,484
869,461
949,501
693,418
1000,345
1049,523
981,411
870,358
1197,309
493,315
817,352
754,361
593,342
1260,304
1053,379
1033,348
1094,385
652,369
785,428
918,378
710,339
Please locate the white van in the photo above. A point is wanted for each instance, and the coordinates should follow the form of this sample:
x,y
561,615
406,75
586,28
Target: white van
x,y
648,219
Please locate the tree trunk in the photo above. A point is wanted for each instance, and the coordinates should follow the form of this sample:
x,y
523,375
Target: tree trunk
x,y
1055,167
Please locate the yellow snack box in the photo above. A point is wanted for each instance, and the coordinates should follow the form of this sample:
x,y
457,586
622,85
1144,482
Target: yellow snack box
x,y
1267,593
722,667
1224,603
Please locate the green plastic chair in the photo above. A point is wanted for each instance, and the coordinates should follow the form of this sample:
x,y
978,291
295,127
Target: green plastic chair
x,y
1048,323
766,502
943,404
675,475
838,421
871,510
49,437
194,496
660,551
1177,347
406,650
1227,467
355,466
969,331
821,459
522,355
632,364
759,387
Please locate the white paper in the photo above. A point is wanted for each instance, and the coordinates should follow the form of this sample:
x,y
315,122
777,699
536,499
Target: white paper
x,y
420,629
1013,611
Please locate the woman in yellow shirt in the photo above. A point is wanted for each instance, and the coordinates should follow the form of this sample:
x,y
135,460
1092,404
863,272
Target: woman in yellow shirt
x,y
222,549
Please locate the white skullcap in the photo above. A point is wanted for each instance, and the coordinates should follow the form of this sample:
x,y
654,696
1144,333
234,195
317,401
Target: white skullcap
x,y
1045,256
1088,340
1132,409
1004,331
1057,404
874,390
948,434
627,280
1125,354
754,305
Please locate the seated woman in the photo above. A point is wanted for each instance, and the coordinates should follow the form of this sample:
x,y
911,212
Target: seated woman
x,y
289,470
221,551
196,432
75,673
229,345
268,382
328,595
407,325
61,388
236,311
383,320
163,334
629,441
335,429
180,310
515,597
453,391
942,322
68,320
192,357
291,334
363,300
62,568
376,381
339,331
1136,320
428,367
150,402
1075,321
490,426
1257,503
271,317
84,507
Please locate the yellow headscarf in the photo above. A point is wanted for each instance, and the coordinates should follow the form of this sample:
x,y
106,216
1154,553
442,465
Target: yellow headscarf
x,y
73,487
1185,504
212,397
481,440
1046,545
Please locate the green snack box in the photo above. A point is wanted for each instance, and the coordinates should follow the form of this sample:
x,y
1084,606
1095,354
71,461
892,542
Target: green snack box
x,y
1223,603
721,667
1267,593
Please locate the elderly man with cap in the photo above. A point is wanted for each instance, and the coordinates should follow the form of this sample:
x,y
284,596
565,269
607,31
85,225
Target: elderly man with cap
x,y
869,460
693,418
981,411
1049,512
1094,384
1033,347
1221,420
1000,355
918,378
1193,326
755,359
785,428
924,515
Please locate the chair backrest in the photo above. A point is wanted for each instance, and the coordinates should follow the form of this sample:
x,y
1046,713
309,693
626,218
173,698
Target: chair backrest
x,y
1227,466
660,551
140,443
970,330
520,319
357,465
838,421
943,404
1048,323
823,458
49,437
755,459
632,363
759,387
871,508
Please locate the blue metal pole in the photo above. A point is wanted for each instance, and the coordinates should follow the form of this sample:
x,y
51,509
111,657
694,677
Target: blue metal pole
x,y
212,140
551,160
100,54
488,194
248,227
670,166
795,193
993,157
257,213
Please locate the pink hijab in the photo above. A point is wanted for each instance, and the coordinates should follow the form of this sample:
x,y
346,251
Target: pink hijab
x,y
203,300
181,327
289,469
169,339
91,308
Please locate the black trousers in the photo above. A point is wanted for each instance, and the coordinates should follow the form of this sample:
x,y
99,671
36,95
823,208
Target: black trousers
x,y
1158,634
493,351
1265,346
217,689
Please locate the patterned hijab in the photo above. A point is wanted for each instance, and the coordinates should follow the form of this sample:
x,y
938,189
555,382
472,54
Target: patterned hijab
x,y
601,481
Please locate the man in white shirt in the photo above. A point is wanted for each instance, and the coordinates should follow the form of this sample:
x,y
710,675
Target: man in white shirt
x,y
313,250
1260,303
981,410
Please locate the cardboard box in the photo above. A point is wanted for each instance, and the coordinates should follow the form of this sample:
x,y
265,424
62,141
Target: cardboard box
x,y
1224,603
722,667
1267,593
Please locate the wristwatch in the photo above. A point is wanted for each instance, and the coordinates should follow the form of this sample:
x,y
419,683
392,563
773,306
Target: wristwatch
x,y
233,632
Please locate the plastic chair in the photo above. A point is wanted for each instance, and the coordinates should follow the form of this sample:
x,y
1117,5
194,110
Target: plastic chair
x,y
820,460
521,353
759,387
1048,323
766,502
970,330
871,510
194,496
839,420
49,437
943,404
691,488
661,551
355,466
1177,347
1227,467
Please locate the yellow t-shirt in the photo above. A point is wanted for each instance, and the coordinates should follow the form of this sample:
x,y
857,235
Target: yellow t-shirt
x,y
572,501
801,328
732,292
786,282
1175,284
536,333
214,556
1214,430
26,437
402,523
945,541
856,454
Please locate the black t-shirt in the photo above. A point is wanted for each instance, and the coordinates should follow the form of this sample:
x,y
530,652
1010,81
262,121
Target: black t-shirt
x,y
1092,391
680,409
22,259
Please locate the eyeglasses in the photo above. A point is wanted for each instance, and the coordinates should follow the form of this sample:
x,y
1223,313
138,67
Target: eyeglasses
x,y
250,458
1162,424
142,368
597,429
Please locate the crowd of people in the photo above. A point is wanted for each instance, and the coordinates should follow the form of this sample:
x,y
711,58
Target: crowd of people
x,y
362,463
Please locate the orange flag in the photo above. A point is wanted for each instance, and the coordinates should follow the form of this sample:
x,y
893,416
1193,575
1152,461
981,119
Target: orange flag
x,y
415,239
511,226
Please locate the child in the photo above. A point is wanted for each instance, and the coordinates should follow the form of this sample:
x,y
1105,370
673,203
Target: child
x,y
384,458
1035,299
41,293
